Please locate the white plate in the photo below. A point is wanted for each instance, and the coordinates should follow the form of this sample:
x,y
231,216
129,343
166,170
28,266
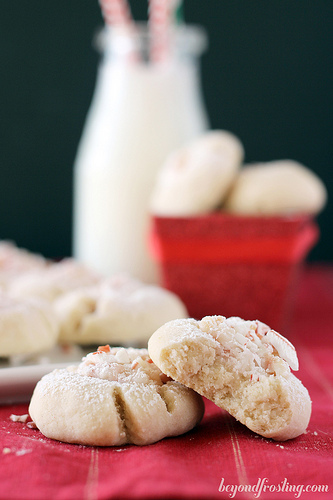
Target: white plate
x,y
18,382
19,375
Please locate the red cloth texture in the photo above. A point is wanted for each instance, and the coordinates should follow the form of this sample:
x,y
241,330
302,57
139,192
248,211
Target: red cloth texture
x,y
219,453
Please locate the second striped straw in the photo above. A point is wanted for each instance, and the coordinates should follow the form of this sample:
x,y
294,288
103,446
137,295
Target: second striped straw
x,y
161,18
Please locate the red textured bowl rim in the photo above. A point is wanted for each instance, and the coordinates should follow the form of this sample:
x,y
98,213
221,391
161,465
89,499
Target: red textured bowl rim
x,y
227,238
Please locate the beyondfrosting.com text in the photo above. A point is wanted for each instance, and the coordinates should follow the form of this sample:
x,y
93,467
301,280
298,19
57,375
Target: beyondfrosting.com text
x,y
263,486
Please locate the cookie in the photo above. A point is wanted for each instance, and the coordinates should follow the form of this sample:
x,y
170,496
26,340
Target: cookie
x,y
118,311
53,281
276,188
195,179
26,326
15,261
115,396
242,366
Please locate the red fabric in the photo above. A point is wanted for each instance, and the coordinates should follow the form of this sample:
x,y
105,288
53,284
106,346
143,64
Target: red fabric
x,y
194,465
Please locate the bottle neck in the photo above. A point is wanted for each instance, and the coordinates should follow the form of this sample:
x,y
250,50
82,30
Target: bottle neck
x,y
183,42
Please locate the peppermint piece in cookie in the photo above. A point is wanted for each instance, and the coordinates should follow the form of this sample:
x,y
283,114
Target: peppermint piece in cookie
x,y
242,366
115,396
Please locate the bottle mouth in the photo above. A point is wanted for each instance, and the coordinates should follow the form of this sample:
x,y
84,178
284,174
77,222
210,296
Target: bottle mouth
x,y
182,39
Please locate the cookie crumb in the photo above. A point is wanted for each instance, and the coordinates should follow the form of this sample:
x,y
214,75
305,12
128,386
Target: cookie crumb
x,y
19,418
31,425
22,452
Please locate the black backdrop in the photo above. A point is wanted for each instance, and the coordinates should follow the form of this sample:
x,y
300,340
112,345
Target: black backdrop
x,y
267,76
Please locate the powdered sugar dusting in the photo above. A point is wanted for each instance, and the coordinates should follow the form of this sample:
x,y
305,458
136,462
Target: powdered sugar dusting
x,y
185,328
53,384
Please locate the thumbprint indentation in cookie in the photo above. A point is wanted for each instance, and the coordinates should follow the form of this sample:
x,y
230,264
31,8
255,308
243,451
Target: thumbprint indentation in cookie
x,y
119,403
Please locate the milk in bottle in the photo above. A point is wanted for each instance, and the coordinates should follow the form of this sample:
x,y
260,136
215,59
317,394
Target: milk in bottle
x,y
140,112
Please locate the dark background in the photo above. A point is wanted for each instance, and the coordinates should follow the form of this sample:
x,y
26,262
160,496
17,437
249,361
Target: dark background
x,y
267,77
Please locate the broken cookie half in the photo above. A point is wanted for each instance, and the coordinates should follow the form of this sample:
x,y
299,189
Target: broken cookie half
x,y
242,366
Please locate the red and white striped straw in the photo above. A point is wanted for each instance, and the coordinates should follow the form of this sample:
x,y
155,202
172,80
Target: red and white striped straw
x,y
160,20
117,13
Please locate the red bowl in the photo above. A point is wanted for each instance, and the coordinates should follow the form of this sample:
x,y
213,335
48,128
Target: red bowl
x,y
231,265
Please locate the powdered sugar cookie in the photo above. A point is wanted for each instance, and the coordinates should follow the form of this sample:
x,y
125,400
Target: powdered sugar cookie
x,y
275,188
115,396
53,281
195,179
26,326
119,310
14,261
242,366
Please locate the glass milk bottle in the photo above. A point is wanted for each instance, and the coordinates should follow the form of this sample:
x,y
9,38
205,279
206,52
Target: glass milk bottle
x,y
139,113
